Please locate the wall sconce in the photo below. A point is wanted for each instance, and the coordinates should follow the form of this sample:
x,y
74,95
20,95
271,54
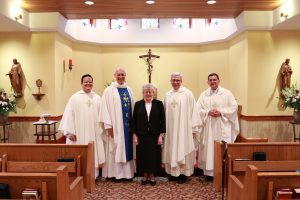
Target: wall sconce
x,y
70,64
17,17
283,14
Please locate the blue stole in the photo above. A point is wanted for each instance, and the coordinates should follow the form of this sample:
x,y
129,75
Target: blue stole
x,y
127,116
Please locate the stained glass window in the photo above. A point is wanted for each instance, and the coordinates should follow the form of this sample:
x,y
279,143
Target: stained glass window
x,y
150,23
212,22
182,23
118,24
92,23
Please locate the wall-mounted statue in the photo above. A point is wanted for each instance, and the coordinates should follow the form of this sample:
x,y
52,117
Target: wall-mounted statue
x,y
16,78
285,74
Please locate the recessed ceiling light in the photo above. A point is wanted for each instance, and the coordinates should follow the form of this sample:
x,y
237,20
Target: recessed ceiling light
x,y
211,2
89,2
150,2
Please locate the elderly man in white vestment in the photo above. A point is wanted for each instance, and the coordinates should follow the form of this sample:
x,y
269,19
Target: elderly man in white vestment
x,y
117,106
80,122
182,124
218,113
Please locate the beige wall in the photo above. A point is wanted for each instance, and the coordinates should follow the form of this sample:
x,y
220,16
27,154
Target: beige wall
x,y
85,58
238,69
267,51
193,62
35,52
248,65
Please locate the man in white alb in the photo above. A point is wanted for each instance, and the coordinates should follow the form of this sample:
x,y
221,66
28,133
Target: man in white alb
x,y
116,114
182,123
80,122
218,113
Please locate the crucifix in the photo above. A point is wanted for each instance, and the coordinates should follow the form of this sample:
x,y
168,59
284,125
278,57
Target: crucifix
x,y
149,59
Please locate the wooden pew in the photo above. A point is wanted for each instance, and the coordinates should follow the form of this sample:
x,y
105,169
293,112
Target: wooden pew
x,y
260,185
241,138
51,152
267,166
21,166
275,151
52,186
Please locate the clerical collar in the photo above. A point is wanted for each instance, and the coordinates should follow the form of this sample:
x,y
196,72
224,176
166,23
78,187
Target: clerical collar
x,y
116,84
179,89
214,91
83,92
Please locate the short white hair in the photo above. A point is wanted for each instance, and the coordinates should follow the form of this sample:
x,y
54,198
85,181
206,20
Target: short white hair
x,y
119,69
176,74
148,86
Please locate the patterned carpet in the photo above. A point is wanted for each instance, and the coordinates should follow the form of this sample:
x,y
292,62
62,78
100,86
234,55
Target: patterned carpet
x,y
195,188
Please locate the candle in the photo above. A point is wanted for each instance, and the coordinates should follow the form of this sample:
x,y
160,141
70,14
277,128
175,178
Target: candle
x,y
70,62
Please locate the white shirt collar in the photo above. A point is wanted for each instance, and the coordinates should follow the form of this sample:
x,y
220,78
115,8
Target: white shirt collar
x,y
117,85
214,91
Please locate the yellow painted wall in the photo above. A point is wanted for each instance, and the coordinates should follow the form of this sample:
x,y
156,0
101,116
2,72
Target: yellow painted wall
x,y
86,60
248,65
194,62
238,69
267,51
63,77
35,52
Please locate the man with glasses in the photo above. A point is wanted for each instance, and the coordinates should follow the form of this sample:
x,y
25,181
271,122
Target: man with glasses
x,y
218,113
182,123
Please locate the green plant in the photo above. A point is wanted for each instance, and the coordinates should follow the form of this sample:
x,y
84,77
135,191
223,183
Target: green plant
x,y
108,83
8,103
291,97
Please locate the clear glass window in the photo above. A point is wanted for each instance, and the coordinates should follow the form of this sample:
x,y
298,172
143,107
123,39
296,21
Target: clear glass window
x,y
118,24
182,23
150,23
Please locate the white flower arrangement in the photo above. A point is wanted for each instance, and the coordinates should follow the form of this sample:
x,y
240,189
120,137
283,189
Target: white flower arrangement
x,y
291,97
8,103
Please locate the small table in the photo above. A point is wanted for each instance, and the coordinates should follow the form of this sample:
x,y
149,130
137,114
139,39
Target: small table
x,y
47,129
5,131
294,124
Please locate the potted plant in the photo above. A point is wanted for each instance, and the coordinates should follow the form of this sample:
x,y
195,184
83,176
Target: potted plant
x,y
8,104
291,99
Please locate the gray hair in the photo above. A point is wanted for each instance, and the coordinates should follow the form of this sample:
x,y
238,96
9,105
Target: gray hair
x,y
119,69
176,74
148,86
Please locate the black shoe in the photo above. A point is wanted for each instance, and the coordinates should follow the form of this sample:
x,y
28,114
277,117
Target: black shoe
x,y
117,180
152,182
182,179
173,178
128,179
144,182
209,178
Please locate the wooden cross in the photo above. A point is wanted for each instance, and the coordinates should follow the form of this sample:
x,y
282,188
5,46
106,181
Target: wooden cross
x,y
149,59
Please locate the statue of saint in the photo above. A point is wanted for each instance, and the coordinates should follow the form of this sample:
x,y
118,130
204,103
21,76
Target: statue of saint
x,y
16,78
285,73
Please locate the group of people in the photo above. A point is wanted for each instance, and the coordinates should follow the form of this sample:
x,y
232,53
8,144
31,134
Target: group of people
x,y
140,136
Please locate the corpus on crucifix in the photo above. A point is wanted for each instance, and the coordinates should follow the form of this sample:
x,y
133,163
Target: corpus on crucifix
x,y
149,59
